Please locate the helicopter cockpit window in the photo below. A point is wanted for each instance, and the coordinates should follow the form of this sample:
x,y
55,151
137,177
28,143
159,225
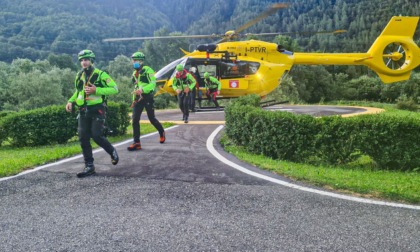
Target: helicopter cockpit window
x,y
253,67
235,69
211,69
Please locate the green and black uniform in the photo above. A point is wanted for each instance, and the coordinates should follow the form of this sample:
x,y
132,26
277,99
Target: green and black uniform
x,y
92,109
212,86
144,78
180,82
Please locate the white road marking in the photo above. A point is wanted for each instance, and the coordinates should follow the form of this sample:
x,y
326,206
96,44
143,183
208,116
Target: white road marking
x,y
216,154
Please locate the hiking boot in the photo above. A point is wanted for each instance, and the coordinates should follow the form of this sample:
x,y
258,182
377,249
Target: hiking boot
x,y
89,170
162,138
134,146
114,157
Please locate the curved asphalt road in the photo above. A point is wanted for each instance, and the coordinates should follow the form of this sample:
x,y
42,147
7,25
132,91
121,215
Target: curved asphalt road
x,y
177,196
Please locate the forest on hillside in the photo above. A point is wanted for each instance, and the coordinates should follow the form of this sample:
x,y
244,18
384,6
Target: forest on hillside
x,y
39,41
35,29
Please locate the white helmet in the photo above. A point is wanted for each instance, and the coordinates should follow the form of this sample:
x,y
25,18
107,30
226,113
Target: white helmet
x,y
193,69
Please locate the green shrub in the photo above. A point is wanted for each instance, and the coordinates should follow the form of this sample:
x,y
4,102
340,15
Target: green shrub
x,y
337,140
162,101
6,113
3,133
392,142
51,125
42,126
407,104
117,118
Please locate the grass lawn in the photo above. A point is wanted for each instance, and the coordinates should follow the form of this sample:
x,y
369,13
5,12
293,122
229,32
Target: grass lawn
x,y
395,186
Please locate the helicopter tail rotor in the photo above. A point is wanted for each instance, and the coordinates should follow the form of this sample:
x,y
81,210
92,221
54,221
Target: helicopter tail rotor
x,y
394,53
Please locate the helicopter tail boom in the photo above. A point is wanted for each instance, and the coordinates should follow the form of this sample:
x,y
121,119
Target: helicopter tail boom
x,y
392,56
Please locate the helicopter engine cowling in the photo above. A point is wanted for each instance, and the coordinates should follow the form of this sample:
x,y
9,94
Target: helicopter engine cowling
x,y
281,49
206,47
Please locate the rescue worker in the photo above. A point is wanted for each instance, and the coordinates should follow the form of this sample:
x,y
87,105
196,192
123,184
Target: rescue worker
x,y
144,82
213,87
193,71
182,83
92,88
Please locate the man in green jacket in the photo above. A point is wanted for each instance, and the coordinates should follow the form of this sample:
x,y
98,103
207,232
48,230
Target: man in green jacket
x,y
92,88
213,87
182,83
144,82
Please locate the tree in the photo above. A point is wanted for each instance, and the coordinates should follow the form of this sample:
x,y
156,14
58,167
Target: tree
x,y
314,83
35,89
120,66
159,53
288,43
368,88
62,61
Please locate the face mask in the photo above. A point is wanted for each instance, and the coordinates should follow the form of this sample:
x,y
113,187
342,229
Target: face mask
x,y
136,65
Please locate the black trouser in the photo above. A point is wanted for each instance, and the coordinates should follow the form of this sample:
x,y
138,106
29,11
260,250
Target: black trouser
x,y
183,102
91,125
212,95
148,103
200,97
192,98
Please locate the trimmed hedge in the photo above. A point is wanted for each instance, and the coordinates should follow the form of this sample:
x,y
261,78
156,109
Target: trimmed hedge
x,y
53,125
392,142
42,126
118,118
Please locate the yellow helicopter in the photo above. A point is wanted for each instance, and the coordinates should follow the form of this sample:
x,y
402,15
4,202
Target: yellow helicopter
x,y
257,67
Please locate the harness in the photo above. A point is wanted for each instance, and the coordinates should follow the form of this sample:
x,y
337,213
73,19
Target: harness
x,y
141,76
93,79
182,78
210,84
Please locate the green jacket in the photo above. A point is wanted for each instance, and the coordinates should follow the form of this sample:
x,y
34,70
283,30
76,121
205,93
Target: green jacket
x,y
182,83
144,79
213,83
105,86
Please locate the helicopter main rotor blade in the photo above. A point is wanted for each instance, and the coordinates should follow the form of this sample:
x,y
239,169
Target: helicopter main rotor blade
x,y
293,33
162,37
263,15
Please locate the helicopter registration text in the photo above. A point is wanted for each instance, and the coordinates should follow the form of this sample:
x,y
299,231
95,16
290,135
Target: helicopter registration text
x,y
256,49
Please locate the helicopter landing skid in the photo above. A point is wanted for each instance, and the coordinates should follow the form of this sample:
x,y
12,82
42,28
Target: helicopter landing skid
x,y
271,103
207,109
